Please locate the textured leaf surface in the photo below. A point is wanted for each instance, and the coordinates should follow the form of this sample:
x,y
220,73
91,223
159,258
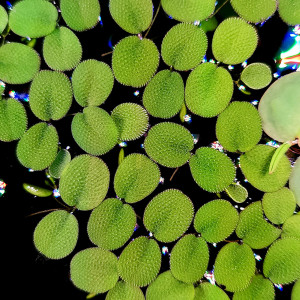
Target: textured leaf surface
x,y
80,15
216,220
125,291
3,18
253,229
254,11
208,291
179,44
92,82
111,224
238,127
161,215
19,63
34,18
291,227
234,266
62,158
134,16
279,206
237,192
212,170
296,291
135,61
94,130
94,270
294,181
140,261
38,146
167,287
259,288
56,235
50,95
164,95
131,119
255,166
62,49
289,11
279,108
13,120
208,90
188,10
257,75
169,144
136,178
282,261
189,258
84,182
234,41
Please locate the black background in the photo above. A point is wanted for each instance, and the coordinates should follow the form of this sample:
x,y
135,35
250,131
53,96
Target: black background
x,y
29,274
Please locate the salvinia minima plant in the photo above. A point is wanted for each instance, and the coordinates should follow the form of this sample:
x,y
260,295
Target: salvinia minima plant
x,y
196,68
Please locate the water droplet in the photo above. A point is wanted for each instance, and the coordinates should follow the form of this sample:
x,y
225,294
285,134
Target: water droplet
x,y
2,187
164,250
56,193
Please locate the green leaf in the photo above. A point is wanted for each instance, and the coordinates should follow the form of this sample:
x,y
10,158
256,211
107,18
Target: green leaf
x,y
13,120
92,82
237,192
253,229
167,287
169,144
255,166
291,227
259,288
234,41
94,270
121,156
234,267
62,49
131,120
257,75
209,24
279,108
216,220
279,153
135,61
282,261
62,158
111,224
279,206
34,18
289,11
255,11
211,169
56,235
189,259
208,291
164,94
50,95
94,131
80,15
208,90
294,181
179,44
134,16
238,127
84,182
3,19
38,146
36,190
125,291
136,178
19,63
296,291
161,215
188,11
139,263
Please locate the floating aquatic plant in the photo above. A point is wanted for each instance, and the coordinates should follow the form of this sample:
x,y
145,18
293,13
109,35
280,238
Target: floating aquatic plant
x,y
152,233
